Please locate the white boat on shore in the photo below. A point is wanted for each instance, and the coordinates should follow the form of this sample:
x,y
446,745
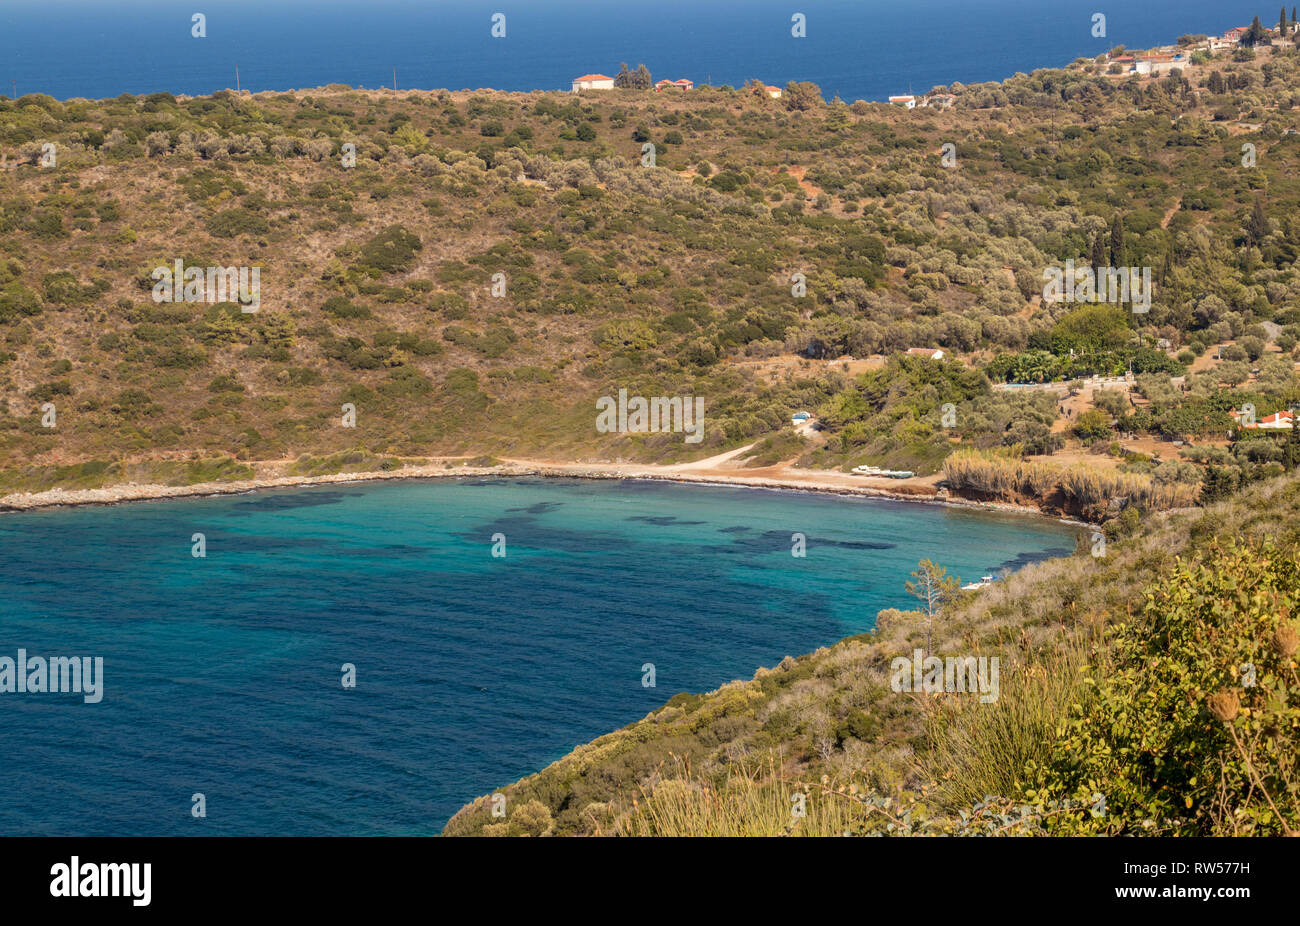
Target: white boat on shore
x,y
886,473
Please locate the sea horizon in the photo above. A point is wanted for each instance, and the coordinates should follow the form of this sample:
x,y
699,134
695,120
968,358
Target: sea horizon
x,y
848,49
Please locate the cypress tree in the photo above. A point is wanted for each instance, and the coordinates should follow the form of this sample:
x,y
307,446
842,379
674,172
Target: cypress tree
x,y
1117,251
1098,257
1291,449
1257,227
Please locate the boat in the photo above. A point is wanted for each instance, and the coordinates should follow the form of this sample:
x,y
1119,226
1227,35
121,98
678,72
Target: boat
x,y
883,473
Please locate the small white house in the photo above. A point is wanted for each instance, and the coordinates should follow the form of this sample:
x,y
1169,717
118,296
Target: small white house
x,y
801,418
593,82
933,353
907,102
773,92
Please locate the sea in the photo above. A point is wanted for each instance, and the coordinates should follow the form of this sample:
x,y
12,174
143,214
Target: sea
x,y
854,49
364,658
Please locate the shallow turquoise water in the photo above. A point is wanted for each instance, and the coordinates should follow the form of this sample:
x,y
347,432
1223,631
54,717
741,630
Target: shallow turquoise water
x,y
222,674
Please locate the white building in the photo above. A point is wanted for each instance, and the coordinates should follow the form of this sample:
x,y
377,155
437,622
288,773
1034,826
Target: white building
x,y
593,82
907,102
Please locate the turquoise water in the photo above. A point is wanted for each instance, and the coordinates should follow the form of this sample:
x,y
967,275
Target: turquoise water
x,y
222,674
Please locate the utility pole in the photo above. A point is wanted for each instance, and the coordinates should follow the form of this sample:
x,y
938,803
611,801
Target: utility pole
x,y
15,86
236,78
394,80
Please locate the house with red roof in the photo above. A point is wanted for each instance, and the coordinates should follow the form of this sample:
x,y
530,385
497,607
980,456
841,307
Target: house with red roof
x,y
682,84
1278,421
593,82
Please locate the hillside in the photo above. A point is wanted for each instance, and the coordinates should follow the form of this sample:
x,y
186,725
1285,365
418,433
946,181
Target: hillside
x,y
1151,690
493,263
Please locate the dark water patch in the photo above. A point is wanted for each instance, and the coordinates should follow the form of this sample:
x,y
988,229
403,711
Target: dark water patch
x,y
276,501
663,520
1028,558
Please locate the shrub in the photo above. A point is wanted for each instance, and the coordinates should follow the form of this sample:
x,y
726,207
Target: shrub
x,y
1192,729
231,223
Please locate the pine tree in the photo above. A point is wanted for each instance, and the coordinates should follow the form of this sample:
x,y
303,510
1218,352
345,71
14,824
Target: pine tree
x,y
642,80
623,80
1215,82
932,584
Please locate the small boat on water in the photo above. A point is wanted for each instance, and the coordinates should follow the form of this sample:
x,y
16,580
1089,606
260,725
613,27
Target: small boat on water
x,y
984,582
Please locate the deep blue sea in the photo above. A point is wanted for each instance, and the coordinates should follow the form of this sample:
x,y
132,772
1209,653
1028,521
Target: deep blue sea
x,y
858,49
222,674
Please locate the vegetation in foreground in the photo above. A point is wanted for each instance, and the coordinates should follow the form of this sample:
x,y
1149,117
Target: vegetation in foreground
x,y
1152,690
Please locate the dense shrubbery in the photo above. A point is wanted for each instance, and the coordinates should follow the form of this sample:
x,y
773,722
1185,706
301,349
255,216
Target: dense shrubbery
x,y
1189,722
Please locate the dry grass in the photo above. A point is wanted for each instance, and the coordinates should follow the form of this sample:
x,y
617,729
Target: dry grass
x,y
1010,478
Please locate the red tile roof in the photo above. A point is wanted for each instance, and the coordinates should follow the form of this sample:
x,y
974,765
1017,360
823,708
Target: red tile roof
x,y
593,77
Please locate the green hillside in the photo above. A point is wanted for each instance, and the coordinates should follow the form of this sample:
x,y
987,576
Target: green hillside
x,y
1152,690
677,277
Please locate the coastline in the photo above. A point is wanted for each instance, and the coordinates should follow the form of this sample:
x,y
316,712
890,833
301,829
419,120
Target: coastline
x,y
828,482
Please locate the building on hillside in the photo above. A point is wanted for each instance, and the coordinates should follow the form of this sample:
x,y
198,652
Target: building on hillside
x,y
1158,63
682,84
1278,421
940,100
801,417
907,101
1234,35
932,353
593,82
773,92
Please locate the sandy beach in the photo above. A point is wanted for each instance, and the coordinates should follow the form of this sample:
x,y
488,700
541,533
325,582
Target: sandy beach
x,y
720,469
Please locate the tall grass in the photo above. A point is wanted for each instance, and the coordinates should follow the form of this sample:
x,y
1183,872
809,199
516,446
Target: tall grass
x,y
757,800
1010,478
977,750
